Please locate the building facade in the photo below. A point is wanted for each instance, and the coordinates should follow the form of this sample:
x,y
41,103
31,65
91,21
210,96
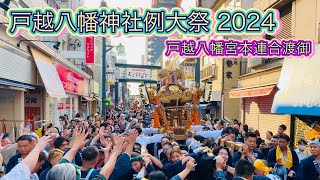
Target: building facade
x,y
37,83
260,76
155,45
223,73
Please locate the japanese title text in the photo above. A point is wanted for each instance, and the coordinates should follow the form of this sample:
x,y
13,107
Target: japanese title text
x,y
236,48
141,22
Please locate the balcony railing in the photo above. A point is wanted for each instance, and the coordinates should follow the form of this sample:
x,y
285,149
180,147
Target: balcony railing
x,y
208,72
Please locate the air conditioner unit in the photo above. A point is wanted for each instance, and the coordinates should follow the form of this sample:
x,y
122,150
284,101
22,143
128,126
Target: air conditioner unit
x,y
254,62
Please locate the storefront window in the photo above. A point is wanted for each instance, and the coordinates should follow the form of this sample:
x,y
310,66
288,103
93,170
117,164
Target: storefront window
x,y
68,107
7,104
61,107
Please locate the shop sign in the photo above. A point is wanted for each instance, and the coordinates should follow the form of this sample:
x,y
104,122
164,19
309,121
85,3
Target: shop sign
x,y
208,92
264,91
138,73
32,101
32,98
70,80
111,78
89,50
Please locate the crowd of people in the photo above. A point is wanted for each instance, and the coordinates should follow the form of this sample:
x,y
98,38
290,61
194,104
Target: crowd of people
x,y
114,147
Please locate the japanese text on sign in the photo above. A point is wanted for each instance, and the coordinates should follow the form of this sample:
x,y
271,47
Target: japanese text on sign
x,y
89,50
235,48
148,22
138,73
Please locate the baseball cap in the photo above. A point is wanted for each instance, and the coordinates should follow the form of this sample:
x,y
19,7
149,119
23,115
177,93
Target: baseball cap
x,y
315,141
6,135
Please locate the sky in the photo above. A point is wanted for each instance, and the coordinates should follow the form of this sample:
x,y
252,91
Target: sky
x,y
135,46
131,44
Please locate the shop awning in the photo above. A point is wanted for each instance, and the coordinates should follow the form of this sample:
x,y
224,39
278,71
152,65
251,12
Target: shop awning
x,y
15,84
299,87
48,74
87,98
252,92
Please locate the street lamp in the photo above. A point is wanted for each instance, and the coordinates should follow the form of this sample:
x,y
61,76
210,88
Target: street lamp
x,y
56,46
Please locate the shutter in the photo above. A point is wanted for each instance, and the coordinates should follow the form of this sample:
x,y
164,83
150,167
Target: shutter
x,y
17,66
267,120
286,18
251,112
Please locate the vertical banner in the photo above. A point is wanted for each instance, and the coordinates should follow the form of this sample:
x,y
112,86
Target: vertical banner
x,y
144,95
89,50
208,92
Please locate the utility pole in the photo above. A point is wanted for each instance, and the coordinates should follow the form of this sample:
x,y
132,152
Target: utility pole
x,y
104,52
104,49
197,71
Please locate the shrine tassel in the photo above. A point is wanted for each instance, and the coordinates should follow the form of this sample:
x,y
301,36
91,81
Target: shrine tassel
x,y
196,118
156,123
